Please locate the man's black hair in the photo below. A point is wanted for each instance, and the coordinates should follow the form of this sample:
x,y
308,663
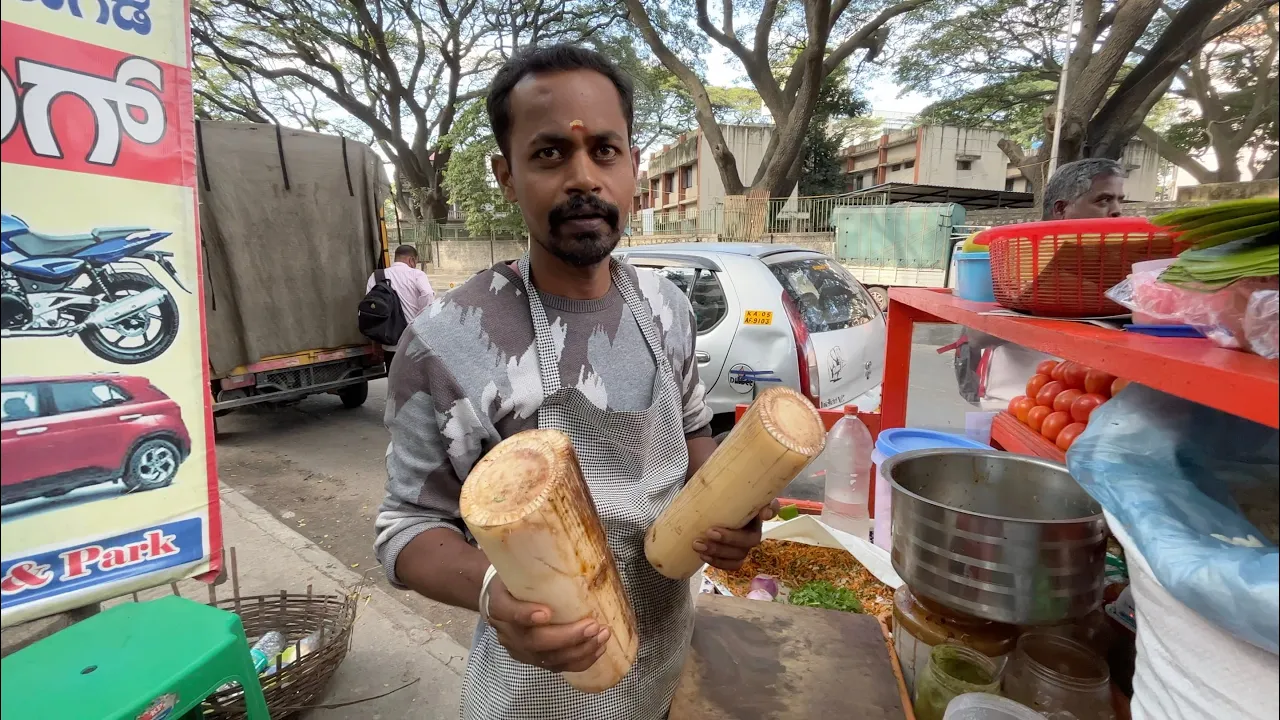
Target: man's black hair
x,y
550,59
406,251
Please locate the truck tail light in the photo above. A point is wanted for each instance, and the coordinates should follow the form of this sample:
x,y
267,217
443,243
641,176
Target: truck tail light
x,y
806,356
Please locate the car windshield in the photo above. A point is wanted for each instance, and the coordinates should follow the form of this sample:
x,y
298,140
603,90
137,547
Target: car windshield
x,y
827,296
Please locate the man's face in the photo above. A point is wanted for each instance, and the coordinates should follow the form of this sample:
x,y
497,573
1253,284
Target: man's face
x,y
569,164
1102,200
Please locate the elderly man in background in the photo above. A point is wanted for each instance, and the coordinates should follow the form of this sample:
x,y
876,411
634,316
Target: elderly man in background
x,y
1090,188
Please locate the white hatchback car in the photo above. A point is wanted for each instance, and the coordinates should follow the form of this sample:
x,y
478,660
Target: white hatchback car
x,y
774,314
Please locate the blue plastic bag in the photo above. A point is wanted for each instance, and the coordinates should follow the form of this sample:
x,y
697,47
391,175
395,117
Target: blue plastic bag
x,y
1171,471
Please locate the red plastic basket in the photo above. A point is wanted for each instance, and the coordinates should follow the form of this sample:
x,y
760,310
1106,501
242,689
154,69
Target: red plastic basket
x,y
1063,268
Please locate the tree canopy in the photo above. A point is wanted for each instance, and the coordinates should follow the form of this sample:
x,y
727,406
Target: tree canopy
x,y
391,72
1000,62
787,49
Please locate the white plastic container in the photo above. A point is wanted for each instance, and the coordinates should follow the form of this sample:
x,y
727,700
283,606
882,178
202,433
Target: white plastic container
x,y
890,443
985,706
845,468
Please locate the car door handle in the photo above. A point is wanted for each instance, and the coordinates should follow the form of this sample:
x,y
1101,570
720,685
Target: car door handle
x,y
702,357
867,367
131,416
33,431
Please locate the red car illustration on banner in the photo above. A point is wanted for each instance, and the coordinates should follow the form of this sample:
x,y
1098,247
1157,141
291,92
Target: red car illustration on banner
x,y
63,433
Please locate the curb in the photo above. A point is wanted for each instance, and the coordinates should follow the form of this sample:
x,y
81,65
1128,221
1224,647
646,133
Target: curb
x,y
437,643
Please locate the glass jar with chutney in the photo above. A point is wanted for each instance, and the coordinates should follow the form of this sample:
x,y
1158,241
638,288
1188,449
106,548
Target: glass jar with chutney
x,y
920,624
952,670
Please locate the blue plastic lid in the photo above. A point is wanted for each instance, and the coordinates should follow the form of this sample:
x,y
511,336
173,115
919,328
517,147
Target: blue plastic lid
x,y
975,255
898,440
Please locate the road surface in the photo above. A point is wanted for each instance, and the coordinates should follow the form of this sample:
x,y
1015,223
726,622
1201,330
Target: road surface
x,y
319,467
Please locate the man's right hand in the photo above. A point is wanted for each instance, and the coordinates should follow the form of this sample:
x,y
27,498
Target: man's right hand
x,y
526,631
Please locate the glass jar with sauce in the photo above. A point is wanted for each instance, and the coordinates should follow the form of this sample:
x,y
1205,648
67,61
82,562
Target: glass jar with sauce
x,y
952,670
1052,673
919,625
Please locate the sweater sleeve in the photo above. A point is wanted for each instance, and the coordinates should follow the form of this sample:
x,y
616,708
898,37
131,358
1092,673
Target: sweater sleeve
x,y
436,438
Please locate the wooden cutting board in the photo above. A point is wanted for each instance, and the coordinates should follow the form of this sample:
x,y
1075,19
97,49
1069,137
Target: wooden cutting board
x,y
754,660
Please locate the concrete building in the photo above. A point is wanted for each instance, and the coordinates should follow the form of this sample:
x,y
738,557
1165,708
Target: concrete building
x,y
682,184
948,156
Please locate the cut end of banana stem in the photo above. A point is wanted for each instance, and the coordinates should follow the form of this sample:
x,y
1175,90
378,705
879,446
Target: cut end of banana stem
x,y
792,420
513,480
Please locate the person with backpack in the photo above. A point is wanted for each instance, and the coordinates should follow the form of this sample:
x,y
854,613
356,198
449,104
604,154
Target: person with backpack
x,y
393,298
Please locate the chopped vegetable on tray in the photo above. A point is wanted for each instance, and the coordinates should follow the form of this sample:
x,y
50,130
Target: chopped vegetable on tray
x,y
822,594
794,565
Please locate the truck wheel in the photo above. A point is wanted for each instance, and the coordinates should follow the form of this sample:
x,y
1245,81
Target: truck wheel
x,y
881,296
353,396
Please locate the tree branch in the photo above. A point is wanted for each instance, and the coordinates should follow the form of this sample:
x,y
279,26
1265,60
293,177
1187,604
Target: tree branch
x,y
1175,155
859,38
725,160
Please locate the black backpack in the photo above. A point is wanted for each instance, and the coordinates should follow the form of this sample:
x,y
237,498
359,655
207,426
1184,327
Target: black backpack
x,y
381,318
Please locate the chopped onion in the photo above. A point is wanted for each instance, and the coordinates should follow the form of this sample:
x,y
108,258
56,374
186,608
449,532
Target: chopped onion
x,y
763,587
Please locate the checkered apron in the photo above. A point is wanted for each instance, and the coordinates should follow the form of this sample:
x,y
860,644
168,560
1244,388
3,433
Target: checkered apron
x,y
634,464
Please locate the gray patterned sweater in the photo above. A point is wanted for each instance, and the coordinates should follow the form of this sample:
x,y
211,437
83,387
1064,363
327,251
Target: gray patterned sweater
x,y
466,377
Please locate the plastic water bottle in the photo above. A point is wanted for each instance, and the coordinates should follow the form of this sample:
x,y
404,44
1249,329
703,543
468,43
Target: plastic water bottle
x,y
845,464
266,649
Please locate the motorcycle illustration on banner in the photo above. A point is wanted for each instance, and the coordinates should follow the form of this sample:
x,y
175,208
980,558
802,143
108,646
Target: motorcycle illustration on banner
x,y
92,285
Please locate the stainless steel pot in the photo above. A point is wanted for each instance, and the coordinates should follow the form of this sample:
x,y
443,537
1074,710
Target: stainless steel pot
x,y
999,536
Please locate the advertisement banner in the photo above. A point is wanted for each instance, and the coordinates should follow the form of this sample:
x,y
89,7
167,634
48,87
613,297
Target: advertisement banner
x,y
109,485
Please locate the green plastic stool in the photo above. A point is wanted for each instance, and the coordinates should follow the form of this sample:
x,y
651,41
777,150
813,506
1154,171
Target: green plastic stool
x,y
122,663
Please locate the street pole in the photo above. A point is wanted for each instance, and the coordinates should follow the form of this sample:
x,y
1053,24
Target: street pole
x,y
1062,91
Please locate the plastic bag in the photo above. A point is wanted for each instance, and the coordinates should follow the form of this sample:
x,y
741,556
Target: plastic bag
x,y
1221,315
1180,478
1262,323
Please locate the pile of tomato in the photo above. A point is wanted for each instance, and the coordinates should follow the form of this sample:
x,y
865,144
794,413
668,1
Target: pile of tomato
x,y
1061,397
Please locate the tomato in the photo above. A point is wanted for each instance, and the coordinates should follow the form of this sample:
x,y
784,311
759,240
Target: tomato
x,y
1035,383
1117,386
1020,407
1068,435
1062,403
1049,392
1046,367
1099,382
1053,425
1036,416
1084,406
1013,404
1059,369
1074,376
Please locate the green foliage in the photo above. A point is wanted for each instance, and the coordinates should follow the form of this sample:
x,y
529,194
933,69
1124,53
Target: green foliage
x,y
822,594
822,167
468,178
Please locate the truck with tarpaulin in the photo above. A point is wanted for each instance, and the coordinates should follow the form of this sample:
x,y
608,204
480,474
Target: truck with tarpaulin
x,y
291,228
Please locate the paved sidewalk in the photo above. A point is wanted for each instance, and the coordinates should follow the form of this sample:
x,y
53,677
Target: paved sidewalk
x,y
391,645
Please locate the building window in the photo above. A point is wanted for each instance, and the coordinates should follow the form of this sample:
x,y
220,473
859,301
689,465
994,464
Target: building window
x,y
909,164
686,176
964,164
858,181
1009,183
895,168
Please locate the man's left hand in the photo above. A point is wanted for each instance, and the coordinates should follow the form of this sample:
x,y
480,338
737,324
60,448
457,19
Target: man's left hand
x,y
727,548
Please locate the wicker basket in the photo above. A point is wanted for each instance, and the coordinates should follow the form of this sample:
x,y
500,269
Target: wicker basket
x,y
302,683
1063,268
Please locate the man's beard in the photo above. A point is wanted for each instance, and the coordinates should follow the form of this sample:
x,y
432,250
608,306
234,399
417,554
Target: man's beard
x,y
583,249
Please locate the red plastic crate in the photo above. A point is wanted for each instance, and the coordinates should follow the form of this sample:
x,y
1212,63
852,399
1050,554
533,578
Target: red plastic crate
x,y
1063,268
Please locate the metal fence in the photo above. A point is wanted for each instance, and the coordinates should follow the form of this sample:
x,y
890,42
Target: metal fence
x,y
748,218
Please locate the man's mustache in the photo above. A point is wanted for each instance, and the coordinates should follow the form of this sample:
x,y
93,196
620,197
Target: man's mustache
x,y
580,206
